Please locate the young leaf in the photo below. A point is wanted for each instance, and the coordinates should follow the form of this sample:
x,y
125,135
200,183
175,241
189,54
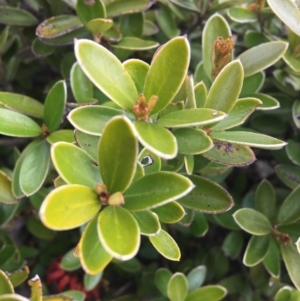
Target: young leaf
x,y
87,11
55,105
207,196
74,165
200,95
166,245
157,139
34,168
262,56
164,77
92,119
177,287
226,88
169,213
207,293
119,232
93,256
252,221
148,222
190,117
117,153
106,72
165,187
196,277
17,125
256,250
69,206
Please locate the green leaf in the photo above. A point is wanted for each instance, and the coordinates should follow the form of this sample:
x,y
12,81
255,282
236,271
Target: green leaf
x,y
283,294
6,195
165,245
87,11
131,25
207,196
12,297
58,26
296,113
190,117
188,5
196,277
19,276
22,104
55,105
148,222
92,119
256,250
34,168
233,244
207,293
189,164
226,88
166,84
16,17
61,135
37,229
199,225
292,150
230,154
291,259
165,187
177,287
92,281
200,94
248,138
289,211
93,256
253,83
99,26
119,232
69,206
272,258
262,56
135,44
69,262
216,26
288,174
161,279
157,139
268,102
192,141
252,221
117,153
242,15
242,109
40,49
108,74
74,165
88,143
169,213
138,70
6,286
17,125
149,28
149,161
81,86
119,7
76,295
287,12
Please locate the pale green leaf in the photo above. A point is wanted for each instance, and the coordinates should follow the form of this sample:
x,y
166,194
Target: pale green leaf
x,y
177,287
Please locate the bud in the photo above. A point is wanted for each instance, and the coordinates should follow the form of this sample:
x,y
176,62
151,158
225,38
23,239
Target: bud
x,y
142,109
116,199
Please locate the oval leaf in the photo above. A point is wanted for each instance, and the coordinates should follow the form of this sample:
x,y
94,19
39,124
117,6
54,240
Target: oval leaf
x,y
135,44
178,287
16,17
207,293
169,213
148,222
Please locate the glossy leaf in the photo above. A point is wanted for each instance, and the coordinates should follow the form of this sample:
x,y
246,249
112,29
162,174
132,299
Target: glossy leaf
x,y
16,17
292,262
92,119
230,154
108,74
117,154
169,213
119,232
207,196
57,26
55,106
6,195
177,287
119,7
148,222
207,293
17,125
226,87
216,26
242,109
252,221
22,104
136,44
34,168
69,206
289,211
82,87
165,187
256,250
262,56
166,84
166,245
87,11
93,256
157,139
191,117
272,259
74,165
288,174
248,138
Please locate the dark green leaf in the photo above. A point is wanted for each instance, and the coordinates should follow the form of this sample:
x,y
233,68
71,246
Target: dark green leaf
x,y
256,250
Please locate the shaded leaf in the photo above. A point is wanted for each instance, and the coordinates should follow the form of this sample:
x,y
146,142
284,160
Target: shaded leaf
x,y
161,279
148,222
16,17
272,258
6,195
288,174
